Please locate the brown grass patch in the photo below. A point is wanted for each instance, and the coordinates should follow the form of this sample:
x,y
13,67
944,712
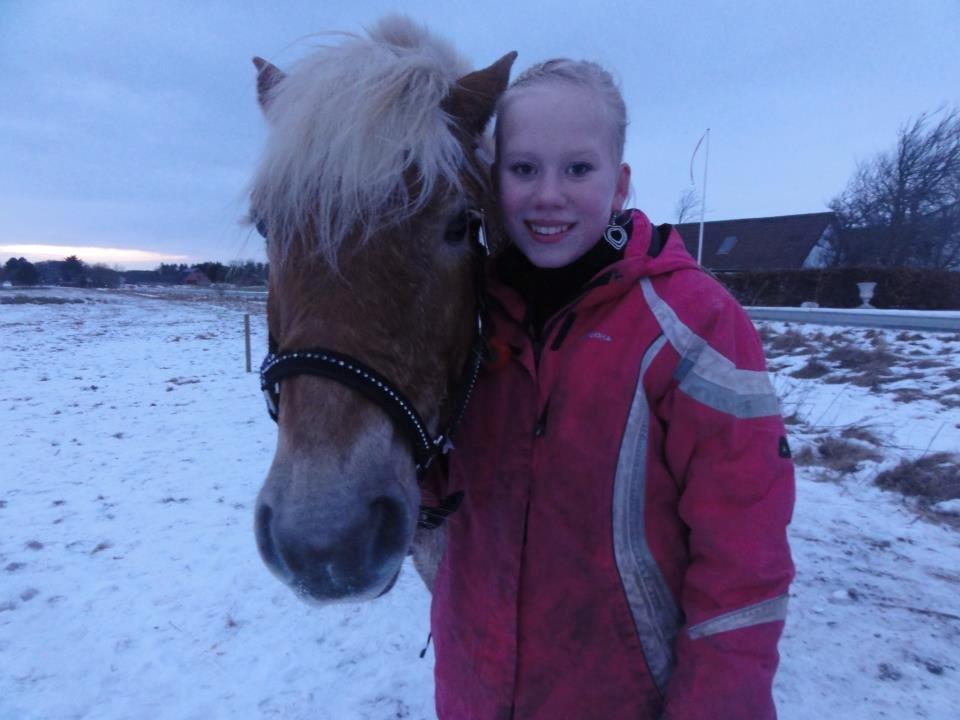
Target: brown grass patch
x,y
839,454
790,341
813,369
839,336
927,363
932,478
910,375
766,333
909,395
836,379
872,365
861,433
907,336
853,357
871,378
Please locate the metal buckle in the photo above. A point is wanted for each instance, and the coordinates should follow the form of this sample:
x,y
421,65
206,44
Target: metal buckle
x,y
479,217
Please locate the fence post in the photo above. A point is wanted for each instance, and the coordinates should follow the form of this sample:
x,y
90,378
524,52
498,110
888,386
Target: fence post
x,y
246,337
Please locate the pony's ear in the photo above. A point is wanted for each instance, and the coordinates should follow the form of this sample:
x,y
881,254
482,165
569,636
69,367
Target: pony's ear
x,y
268,77
473,97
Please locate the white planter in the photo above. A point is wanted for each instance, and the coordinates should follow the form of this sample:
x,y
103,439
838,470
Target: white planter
x,y
866,293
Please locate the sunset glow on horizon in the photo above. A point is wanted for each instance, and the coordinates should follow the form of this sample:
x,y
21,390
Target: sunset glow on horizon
x,y
129,258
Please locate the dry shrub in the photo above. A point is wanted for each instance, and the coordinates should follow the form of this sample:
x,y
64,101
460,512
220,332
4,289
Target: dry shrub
x,y
932,478
836,379
873,365
927,363
839,454
792,419
907,336
813,369
910,375
872,378
909,395
853,357
861,433
766,333
789,341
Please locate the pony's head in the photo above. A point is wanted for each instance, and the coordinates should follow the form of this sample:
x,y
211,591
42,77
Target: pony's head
x,y
364,189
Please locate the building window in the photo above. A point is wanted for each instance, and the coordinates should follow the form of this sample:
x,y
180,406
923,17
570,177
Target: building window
x,y
727,245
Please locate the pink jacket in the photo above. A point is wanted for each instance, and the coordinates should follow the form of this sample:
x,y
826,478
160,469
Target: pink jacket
x,y
621,549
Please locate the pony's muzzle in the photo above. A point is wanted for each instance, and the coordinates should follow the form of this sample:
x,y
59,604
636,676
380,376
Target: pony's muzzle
x,y
359,561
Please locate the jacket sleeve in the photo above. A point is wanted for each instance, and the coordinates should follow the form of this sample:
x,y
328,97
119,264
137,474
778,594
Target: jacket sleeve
x,y
725,445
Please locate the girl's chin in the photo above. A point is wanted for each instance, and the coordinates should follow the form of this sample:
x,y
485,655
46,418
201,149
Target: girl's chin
x,y
550,256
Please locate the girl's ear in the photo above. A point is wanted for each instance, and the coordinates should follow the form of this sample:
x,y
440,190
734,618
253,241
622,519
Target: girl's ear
x,y
622,189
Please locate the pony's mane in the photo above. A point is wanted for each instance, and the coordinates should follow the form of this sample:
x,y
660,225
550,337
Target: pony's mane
x,y
358,139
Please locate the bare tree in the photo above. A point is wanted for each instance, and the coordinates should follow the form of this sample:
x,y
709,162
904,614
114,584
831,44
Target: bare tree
x,y
902,208
688,206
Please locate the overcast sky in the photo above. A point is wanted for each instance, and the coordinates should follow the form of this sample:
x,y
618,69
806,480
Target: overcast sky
x,y
132,125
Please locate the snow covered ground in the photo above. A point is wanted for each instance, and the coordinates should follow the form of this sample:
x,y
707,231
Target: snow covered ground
x,y
132,446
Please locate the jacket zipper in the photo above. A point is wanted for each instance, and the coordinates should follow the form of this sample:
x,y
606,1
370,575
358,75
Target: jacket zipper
x,y
564,312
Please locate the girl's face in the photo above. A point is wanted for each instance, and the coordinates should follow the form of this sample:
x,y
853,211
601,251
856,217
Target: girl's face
x,y
558,179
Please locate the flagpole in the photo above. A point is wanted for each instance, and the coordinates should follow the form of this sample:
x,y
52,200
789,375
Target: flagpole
x,y
703,199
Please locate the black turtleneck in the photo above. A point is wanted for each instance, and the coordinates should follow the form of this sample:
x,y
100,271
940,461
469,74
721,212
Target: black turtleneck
x,y
546,290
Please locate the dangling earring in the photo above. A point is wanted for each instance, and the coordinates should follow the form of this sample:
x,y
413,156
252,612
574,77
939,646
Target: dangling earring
x,y
615,234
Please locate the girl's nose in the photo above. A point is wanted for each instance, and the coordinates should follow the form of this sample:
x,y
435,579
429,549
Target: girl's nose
x,y
548,192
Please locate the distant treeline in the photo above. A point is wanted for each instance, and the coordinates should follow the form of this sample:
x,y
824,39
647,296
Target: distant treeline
x,y
72,271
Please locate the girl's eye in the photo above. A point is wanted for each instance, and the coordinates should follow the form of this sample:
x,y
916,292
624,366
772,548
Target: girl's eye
x,y
579,169
522,169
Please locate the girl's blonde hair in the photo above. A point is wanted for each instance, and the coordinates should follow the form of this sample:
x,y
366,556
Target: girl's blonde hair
x,y
580,73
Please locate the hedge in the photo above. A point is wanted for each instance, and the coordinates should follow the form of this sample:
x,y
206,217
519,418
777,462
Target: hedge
x,y
902,288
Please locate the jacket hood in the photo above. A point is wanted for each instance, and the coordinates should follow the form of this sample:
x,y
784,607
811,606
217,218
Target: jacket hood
x,y
654,250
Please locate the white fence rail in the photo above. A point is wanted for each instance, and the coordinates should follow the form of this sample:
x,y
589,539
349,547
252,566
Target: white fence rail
x,y
936,320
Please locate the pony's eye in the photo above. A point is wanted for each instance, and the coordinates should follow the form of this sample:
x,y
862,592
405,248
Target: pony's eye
x,y
457,229
258,222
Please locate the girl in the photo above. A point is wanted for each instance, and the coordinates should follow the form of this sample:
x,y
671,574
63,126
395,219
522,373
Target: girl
x,y
621,549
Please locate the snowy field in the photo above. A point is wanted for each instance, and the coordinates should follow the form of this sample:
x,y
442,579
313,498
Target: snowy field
x,y
133,445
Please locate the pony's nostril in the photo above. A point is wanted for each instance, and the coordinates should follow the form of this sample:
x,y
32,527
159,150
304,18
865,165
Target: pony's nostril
x,y
265,541
387,520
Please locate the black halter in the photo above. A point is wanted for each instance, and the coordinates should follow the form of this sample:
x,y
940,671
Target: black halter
x,y
349,371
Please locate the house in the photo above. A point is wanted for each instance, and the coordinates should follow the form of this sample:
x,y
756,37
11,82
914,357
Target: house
x,y
784,242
